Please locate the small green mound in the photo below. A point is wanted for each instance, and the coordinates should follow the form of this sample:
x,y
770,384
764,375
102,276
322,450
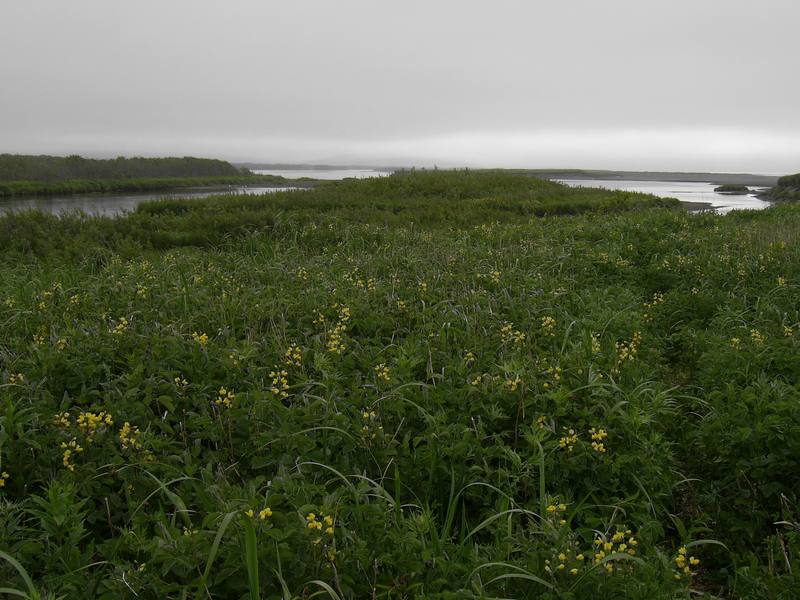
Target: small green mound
x,y
732,189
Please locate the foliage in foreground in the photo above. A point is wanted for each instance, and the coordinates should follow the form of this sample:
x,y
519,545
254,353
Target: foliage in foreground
x,y
415,387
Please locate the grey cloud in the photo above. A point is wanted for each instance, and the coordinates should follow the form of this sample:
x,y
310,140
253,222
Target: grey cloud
x,y
623,83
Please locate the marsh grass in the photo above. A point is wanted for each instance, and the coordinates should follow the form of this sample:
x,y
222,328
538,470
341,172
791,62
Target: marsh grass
x,y
462,376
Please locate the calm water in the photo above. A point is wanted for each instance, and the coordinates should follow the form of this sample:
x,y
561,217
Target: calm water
x,y
323,173
117,204
685,191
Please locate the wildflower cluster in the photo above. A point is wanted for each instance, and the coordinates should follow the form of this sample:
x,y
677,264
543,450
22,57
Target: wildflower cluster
x,y
90,423
620,541
513,383
568,440
4,477
120,327
262,515
334,342
200,338
568,561
69,449
626,350
598,435
382,372
16,379
317,523
280,382
596,343
684,563
555,512
553,373
129,437
293,356
510,335
225,398
371,425
548,326
757,337
658,298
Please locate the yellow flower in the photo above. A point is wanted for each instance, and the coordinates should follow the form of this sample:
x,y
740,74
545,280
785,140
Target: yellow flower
x,y
382,372
280,382
265,513
225,398
129,437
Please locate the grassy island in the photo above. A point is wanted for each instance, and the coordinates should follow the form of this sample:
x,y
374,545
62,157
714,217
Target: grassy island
x,y
732,189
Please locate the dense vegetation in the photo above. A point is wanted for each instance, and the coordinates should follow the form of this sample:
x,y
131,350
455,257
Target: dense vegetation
x,y
87,186
432,385
53,175
787,189
17,167
732,189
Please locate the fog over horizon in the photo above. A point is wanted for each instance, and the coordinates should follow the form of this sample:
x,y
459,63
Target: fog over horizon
x,y
629,85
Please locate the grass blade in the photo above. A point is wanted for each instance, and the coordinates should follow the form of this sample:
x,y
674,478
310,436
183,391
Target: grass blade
x,y
251,559
212,553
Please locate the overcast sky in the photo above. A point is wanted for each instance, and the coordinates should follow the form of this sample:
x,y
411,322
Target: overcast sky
x,y
638,84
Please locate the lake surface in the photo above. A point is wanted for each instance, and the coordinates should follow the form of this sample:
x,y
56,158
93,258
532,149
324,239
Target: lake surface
x,y
685,191
323,173
117,204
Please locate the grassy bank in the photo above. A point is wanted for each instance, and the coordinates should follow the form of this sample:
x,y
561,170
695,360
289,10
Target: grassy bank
x,y
429,385
10,189
21,167
786,190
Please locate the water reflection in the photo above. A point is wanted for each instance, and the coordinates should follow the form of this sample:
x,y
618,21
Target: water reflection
x,y
117,204
323,173
685,191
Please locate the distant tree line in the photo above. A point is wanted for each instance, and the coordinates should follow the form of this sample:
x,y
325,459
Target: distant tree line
x,y
16,167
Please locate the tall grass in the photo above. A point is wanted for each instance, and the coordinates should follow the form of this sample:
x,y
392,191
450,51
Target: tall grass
x,y
431,385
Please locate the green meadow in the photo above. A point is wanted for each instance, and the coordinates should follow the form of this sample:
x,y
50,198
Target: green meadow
x,y
430,385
